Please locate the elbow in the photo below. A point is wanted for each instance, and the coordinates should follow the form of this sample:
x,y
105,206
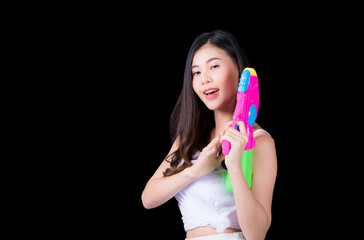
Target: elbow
x,y
254,236
258,234
147,204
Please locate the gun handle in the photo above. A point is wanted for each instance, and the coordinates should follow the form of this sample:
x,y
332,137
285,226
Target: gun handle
x,y
226,146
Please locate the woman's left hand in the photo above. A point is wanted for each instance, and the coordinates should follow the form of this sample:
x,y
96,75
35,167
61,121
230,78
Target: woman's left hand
x,y
238,140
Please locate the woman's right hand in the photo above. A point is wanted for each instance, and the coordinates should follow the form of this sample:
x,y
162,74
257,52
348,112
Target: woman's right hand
x,y
207,161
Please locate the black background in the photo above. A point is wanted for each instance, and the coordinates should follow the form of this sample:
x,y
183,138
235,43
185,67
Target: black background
x,y
129,72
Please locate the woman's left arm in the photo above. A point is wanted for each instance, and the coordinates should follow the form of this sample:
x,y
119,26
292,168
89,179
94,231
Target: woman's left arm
x,y
253,205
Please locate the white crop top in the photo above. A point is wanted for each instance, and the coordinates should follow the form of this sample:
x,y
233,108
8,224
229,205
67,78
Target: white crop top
x,y
207,202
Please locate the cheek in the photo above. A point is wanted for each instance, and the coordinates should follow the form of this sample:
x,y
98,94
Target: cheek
x,y
231,83
194,86
196,89
230,90
235,80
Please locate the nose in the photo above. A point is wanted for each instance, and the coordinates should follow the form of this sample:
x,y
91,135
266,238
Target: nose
x,y
206,78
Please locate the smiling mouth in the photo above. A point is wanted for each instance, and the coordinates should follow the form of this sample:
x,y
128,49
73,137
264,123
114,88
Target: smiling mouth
x,y
212,91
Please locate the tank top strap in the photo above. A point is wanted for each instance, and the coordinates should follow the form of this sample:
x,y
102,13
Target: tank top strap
x,y
262,130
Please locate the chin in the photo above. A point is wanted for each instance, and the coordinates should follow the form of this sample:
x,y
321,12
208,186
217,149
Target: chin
x,y
213,107
222,105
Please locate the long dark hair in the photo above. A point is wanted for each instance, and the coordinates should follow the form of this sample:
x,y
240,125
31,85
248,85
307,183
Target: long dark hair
x,y
191,121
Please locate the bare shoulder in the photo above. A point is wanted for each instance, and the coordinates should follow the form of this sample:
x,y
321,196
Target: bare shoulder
x,y
264,150
264,143
262,137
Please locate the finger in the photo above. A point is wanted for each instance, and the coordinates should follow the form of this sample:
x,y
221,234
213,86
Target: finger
x,y
241,125
215,140
229,124
220,158
227,136
211,151
234,136
212,144
235,132
223,137
205,155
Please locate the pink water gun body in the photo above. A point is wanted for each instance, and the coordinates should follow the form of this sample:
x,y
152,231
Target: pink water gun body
x,y
246,110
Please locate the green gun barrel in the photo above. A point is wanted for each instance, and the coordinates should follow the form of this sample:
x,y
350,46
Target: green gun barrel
x,y
246,163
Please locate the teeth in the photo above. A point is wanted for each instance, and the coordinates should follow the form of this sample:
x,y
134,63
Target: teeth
x,y
211,91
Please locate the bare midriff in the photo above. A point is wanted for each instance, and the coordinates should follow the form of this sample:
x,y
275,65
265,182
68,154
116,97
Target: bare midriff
x,y
205,231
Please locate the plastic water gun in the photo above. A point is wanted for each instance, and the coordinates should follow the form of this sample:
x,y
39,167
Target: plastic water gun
x,y
246,110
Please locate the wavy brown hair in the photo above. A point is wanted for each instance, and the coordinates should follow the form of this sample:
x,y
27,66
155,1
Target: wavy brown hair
x,y
191,121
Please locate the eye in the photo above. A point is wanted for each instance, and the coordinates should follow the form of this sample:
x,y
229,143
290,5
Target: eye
x,y
195,73
214,66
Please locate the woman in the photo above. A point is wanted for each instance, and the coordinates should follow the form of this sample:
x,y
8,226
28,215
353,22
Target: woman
x,y
194,170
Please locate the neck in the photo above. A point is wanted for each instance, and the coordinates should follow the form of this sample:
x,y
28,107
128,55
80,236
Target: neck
x,y
222,116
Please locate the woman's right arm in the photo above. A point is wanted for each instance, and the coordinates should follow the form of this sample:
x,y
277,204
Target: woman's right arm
x,y
160,189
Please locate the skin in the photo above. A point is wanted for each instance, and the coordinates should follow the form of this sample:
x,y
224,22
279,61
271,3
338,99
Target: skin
x,y
213,68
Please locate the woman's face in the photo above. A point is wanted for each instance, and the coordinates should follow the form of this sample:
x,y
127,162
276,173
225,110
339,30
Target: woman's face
x,y
215,77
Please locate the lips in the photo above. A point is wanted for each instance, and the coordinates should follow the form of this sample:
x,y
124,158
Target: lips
x,y
211,92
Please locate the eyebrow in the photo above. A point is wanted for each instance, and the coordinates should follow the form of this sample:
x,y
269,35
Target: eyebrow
x,y
211,59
